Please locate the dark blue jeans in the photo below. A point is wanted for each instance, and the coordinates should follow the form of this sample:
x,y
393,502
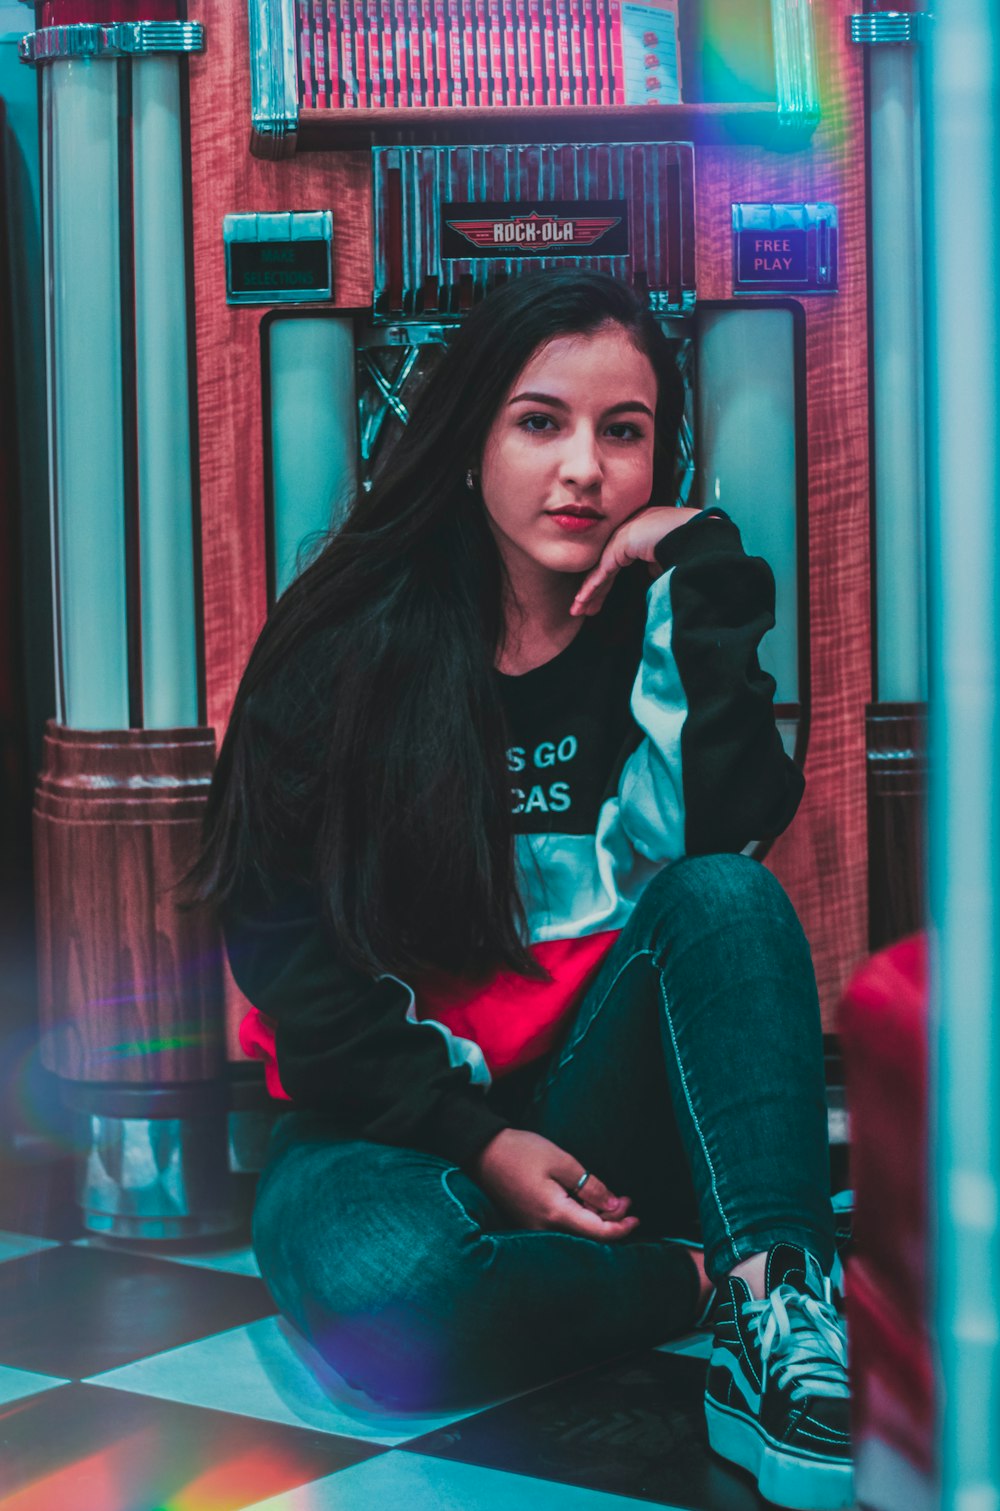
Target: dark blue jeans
x,y
690,1079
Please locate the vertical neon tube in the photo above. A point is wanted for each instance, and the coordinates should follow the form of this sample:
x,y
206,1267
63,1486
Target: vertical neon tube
x,y
961,89
85,394
897,315
169,654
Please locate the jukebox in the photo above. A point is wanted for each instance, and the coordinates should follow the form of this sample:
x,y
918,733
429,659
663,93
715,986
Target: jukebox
x,y
262,227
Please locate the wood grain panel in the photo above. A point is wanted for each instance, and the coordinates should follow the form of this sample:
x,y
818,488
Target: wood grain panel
x,y
822,859
130,987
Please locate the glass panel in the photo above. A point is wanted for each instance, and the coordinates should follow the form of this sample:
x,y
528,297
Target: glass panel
x,y
313,419
746,455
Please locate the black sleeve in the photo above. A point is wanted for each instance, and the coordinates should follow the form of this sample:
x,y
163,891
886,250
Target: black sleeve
x,y
739,784
344,1043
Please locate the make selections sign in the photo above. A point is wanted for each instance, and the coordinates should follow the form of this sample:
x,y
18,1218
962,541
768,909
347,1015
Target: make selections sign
x,y
542,228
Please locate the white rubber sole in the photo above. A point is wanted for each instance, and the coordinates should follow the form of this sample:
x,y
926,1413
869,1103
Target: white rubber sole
x,y
800,1482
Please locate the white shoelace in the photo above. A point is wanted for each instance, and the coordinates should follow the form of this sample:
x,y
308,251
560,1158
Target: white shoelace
x,y
800,1336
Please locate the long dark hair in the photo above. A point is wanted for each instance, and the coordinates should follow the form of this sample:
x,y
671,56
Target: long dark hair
x,y
403,789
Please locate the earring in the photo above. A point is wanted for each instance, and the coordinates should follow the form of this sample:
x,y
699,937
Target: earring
x,y
470,481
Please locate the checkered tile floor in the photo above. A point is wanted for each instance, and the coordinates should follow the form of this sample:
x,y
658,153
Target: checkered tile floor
x,y
164,1380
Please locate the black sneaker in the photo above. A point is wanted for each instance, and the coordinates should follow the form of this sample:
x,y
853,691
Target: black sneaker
x,y
777,1398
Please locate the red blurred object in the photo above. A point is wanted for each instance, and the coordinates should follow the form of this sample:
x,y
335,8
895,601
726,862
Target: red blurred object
x,y
883,1030
97,12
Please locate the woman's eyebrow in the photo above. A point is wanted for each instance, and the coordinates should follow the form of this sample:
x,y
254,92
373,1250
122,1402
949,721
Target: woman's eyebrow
x,y
545,398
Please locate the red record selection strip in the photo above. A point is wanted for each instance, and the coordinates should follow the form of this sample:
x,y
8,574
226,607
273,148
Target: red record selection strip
x,y
523,48
536,57
450,82
617,56
415,54
330,24
359,42
428,48
568,97
374,37
514,63
383,20
303,42
456,91
483,76
598,13
497,39
589,52
549,23
400,57
467,17
348,62
575,33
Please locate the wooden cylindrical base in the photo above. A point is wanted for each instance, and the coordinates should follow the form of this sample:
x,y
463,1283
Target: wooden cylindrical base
x,y
130,986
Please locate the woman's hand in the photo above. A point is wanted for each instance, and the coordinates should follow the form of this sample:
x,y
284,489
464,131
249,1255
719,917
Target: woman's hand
x,y
532,1179
632,541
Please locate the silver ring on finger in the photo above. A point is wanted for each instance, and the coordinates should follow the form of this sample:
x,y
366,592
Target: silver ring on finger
x,y
579,1185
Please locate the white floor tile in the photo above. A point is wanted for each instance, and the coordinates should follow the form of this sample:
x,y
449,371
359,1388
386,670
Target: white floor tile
x,y
13,1245
265,1370
240,1261
15,1383
697,1345
425,1484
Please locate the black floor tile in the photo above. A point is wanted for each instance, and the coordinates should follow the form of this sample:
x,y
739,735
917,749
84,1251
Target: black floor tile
x,y
97,1449
635,1427
75,1312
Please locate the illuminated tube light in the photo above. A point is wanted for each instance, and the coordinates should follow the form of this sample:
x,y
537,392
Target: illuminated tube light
x,y
314,433
961,93
746,394
169,652
897,366
118,400
83,332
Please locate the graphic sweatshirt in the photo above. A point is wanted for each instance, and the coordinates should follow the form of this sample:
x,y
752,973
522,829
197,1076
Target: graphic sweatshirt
x,y
651,736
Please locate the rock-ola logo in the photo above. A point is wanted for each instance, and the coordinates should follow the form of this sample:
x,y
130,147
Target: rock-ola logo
x,y
534,232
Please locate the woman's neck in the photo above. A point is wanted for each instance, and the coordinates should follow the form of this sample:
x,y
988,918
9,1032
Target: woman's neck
x,y
538,624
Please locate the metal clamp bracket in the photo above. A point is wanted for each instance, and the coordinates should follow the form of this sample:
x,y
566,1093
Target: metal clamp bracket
x,y
121,39
888,27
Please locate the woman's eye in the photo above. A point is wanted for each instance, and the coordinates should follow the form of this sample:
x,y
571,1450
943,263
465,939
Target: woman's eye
x,y
633,433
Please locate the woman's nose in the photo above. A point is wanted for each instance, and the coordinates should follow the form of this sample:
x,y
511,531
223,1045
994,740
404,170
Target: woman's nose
x,y
581,462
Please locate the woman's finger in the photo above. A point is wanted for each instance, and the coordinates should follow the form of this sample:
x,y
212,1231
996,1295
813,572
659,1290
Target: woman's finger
x,y
595,1194
572,1217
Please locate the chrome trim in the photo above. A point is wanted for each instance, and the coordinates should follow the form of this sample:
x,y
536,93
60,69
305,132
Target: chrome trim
x,y
795,68
156,1178
656,179
121,39
277,226
274,81
881,28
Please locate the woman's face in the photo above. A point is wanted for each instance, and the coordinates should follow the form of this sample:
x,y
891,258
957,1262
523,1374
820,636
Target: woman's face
x,y
573,433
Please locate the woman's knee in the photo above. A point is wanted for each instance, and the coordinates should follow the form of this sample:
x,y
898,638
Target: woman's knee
x,y
720,887
381,1283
